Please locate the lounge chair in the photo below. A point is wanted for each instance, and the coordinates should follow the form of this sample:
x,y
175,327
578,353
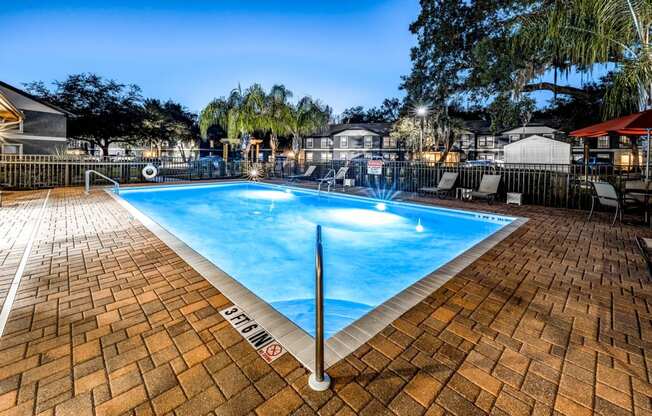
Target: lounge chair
x,y
606,195
645,245
332,179
488,188
445,186
305,175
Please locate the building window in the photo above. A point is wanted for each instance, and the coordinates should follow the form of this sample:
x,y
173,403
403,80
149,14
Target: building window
x,y
344,142
308,156
343,156
603,142
624,142
385,141
308,143
327,156
486,141
326,143
368,142
513,137
12,149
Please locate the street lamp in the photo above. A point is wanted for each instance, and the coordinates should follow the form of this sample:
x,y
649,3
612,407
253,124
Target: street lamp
x,y
422,112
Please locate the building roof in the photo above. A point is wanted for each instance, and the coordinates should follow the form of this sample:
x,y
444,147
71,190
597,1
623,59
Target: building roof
x,y
531,129
477,126
537,138
381,129
8,112
21,100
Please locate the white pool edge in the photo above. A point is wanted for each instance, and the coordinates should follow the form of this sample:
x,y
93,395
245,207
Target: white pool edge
x,y
295,340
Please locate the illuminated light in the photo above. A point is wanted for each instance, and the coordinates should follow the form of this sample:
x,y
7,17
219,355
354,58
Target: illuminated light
x,y
266,195
360,217
288,190
253,174
422,111
381,206
419,227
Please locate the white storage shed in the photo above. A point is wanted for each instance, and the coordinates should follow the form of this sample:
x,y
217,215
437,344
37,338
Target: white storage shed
x,y
538,149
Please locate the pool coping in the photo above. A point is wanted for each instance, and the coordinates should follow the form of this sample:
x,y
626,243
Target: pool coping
x,y
294,339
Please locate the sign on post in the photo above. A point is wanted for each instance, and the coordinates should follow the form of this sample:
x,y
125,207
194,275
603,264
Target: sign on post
x,y
375,167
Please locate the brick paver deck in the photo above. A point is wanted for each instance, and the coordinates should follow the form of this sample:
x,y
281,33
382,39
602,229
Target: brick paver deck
x,y
108,321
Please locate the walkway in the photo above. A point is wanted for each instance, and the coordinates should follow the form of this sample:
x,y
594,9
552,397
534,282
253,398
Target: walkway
x,y
108,321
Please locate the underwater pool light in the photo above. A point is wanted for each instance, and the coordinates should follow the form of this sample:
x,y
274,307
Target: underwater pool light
x,y
381,206
419,227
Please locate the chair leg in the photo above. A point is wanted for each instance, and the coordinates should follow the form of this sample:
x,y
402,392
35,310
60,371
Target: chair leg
x,y
616,214
592,207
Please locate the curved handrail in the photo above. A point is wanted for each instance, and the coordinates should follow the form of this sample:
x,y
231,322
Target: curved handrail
x,y
87,181
328,179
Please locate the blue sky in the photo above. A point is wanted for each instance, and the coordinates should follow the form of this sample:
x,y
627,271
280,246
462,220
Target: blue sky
x,y
343,52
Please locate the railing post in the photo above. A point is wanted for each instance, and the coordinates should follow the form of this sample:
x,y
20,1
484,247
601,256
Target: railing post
x,y
319,380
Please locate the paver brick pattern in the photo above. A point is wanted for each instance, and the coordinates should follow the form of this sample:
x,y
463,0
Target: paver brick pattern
x,y
108,320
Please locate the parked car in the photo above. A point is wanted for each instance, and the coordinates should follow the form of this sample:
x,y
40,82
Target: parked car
x,y
595,162
204,161
479,163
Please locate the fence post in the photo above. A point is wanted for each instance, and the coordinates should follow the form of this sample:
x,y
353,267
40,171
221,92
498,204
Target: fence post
x,y
66,174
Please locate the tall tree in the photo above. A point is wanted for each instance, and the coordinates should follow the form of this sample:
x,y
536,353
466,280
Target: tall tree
x,y
168,124
305,117
586,33
105,111
277,115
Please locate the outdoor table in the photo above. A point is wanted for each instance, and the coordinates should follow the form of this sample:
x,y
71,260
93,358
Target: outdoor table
x,y
463,193
642,190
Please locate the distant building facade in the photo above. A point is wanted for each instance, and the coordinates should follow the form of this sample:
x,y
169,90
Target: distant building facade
x,y
41,127
351,142
478,142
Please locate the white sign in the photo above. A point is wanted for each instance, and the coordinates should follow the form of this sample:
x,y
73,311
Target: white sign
x,y
261,340
375,167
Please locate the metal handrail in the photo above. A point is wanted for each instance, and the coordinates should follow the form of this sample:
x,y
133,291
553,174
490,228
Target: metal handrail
x,y
327,179
87,181
319,380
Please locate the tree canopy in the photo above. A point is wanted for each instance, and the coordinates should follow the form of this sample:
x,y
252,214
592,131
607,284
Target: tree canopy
x,y
388,112
257,112
106,112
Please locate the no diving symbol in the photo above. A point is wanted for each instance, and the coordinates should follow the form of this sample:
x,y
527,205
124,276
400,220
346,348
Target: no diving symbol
x,y
273,350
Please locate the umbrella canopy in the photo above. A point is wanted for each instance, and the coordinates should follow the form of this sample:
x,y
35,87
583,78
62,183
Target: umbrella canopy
x,y
636,124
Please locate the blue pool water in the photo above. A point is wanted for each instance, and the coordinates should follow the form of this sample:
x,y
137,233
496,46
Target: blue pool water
x,y
264,236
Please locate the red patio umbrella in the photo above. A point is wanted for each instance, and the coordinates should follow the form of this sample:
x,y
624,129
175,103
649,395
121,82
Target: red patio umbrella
x,y
637,124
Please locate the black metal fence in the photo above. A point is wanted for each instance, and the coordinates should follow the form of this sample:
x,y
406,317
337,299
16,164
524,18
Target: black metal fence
x,y
563,186
41,171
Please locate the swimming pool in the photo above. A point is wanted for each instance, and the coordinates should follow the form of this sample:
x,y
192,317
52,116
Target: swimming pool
x,y
263,236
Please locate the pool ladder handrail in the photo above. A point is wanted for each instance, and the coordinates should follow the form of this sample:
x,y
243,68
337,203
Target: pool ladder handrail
x,y
328,179
319,380
87,181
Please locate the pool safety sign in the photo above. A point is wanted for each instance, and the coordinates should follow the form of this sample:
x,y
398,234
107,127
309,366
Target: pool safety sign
x,y
262,341
374,167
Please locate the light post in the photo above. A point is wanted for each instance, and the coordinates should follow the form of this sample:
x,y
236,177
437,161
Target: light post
x,y
422,112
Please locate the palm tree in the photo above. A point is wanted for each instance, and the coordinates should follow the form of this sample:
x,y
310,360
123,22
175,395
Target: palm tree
x,y
305,117
585,33
277,113
239,115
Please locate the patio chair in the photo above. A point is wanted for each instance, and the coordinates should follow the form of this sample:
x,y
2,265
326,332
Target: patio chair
x,y
488,188
606,195
644,245
331,180
445,186
305,175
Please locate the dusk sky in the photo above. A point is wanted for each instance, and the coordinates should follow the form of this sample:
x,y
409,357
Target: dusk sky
x,y
343,52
